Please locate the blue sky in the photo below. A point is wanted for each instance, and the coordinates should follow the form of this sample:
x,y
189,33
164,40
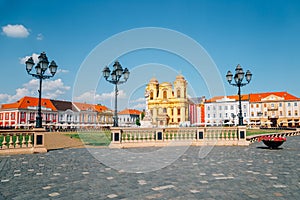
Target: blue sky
x,y
261,35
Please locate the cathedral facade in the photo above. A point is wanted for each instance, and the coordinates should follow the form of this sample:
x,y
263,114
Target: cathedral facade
x,y
167,103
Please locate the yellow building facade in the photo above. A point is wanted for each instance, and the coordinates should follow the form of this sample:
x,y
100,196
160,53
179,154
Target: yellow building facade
x,y
167,103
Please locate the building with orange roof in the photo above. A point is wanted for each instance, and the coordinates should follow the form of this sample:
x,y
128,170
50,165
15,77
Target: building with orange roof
x,y
55,114
104,115
87,114
91,115
128,117
221,110
270,109
275,109
23,113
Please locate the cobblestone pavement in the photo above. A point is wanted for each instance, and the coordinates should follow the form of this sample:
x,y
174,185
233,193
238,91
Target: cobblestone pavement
x,y
252,172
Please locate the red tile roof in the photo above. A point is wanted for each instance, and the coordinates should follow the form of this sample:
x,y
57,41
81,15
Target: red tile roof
x,y
100,108
245,97
90,107
26,102
130,112
84,106
259,96
256,97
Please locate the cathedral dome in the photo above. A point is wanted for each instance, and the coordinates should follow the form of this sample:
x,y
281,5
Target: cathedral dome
x,y
180,77
154,80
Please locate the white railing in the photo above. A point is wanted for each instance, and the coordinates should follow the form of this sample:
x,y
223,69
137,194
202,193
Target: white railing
x,y
22,141
123,137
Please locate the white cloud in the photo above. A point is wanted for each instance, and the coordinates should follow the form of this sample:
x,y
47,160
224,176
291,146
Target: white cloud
x,y
92,97
63,71
141,99
51,89
34,56
15,31
40,36
139,106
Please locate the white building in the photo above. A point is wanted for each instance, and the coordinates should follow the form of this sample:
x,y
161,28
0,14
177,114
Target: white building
x,y
224,110
128,117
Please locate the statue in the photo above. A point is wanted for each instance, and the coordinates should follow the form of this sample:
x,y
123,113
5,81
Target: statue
x,y
147,121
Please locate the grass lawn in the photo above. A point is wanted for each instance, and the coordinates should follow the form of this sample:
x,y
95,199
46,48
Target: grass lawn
x,y
262,131
96,138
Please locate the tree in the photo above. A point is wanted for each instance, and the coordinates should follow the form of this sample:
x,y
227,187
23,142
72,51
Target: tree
x,y
142,115
137,122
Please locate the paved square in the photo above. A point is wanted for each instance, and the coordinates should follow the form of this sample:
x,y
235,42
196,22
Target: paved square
x,y
252,172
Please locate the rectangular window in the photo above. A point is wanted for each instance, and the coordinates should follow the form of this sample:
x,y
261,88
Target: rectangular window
x,y
220,115
289,104
178,111
226,107
280,104
31,116
257,105
208,115
220,107
231,107
295,104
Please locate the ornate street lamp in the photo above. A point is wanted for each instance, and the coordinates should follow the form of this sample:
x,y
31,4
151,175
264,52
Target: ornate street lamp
x,y
116,75
40,69
238,79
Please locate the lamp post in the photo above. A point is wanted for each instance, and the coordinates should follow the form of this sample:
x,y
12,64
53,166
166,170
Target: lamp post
x,y
116,76
238,79
233,117
41,67
259,114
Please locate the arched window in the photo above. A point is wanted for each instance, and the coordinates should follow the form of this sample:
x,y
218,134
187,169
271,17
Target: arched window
x,y
151,95
178,93
165,95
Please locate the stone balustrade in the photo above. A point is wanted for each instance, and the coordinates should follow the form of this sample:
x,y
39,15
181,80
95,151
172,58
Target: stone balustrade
x,y
16,140
22,141
139,137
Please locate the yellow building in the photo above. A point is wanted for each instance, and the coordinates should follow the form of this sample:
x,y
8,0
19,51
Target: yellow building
x,y
167,104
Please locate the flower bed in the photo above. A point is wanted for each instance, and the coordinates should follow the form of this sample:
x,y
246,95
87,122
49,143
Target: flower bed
x,y
272,142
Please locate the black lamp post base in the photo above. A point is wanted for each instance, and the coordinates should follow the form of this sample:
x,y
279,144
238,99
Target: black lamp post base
x,y
38,122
